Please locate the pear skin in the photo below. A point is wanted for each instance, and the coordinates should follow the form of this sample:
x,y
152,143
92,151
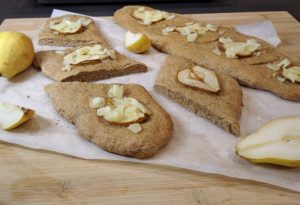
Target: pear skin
x,y
12,116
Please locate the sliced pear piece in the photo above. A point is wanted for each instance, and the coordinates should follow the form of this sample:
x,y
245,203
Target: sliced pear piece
x,y
66,26
148,16
284,63
12,116
124,111
273,66
119,110
239,49
151,16
192,30
87,54
292,74
121,116
168,29
277,142
199,77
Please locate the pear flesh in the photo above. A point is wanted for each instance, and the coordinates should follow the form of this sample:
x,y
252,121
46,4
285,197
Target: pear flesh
x,y
277,142
11,116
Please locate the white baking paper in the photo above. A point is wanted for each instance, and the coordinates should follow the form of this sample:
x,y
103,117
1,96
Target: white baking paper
x,y
263,30
196,144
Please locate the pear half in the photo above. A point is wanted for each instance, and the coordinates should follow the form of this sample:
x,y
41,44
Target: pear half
x,y
11,116
277,142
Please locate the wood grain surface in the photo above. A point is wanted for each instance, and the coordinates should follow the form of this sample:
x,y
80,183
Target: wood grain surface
x,y
41,177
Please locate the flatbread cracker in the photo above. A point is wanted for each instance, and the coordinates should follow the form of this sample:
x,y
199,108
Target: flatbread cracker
x,y
89,36
222,108
71,100
251,72
51,64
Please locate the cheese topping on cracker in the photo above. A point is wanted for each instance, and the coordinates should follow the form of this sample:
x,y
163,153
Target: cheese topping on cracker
x,y
191,30
285,71
67,26
87,54
151,16
235,49
119,110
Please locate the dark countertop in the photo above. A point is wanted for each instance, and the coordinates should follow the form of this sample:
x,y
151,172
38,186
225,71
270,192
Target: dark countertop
x,y
30,8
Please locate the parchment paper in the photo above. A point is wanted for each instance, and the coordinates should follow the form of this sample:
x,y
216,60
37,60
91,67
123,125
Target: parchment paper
x,y
196,144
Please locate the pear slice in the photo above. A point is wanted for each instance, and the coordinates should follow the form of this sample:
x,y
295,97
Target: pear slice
x,y
124,111
87,54
149,16
239,49
199,77
11,116
67,27
277,142
120,116
120,110
292,74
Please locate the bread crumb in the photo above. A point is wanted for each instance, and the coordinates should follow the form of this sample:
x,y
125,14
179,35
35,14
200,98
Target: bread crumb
x,y
135,128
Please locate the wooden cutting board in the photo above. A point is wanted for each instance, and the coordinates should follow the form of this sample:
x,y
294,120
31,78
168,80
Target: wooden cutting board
x,y
41,177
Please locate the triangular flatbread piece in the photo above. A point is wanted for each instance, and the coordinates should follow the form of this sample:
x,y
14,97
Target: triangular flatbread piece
x,y
88,36
71,100
52,64
222,108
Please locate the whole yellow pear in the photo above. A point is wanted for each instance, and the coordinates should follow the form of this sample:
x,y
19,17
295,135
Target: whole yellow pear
x,y
16,53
